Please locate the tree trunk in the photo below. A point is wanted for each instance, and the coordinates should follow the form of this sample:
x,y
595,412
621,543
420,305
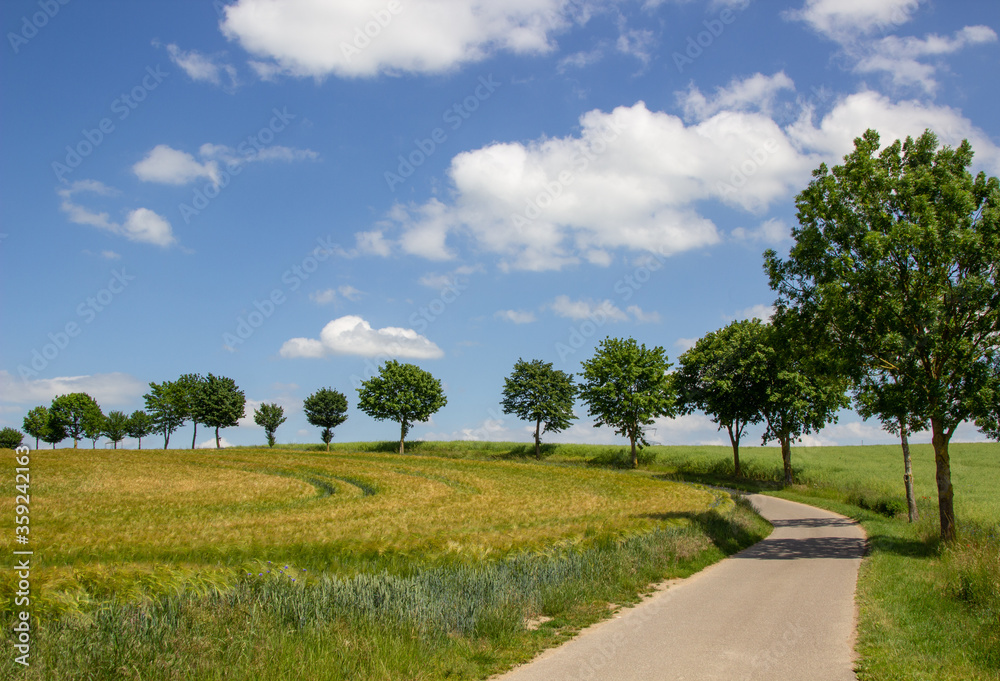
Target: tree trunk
x,y
946,494
911,499
140,443
402,435
786,458
116,445
75,443
218,444
36,442
166,439
194,435
635,457
538,442
734,438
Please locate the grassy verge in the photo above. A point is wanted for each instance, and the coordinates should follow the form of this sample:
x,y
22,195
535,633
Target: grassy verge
x,y
248,564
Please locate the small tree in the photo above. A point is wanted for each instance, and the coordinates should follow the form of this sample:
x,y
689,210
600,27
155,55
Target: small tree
x,y
723,376
165,403
404,393
35,423
54,431
326,408
269,417
188,388
140,424
626,387
94,428
11,438
79,413
219,403
116,426
536,392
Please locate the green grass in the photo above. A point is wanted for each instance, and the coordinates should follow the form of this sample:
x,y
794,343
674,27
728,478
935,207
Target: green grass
x,y
252,563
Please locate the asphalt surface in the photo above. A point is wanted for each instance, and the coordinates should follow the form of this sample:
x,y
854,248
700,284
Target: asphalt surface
x,y
781,609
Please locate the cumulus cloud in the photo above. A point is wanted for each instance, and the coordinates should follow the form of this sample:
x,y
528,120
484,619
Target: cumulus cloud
x,y
515,316
563,306
352,335
167,165
114,389
142,224
365,38
211,444
755,93
843,20
772,231
204,68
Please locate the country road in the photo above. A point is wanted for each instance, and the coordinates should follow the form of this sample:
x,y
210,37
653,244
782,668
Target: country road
x,y
781,609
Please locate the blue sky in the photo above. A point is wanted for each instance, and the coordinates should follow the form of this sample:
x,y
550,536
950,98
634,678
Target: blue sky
x,y
288,192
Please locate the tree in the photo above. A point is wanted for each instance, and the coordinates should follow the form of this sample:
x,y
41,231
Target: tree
x,y
140,424
116,427
94,428
219,403
165,403
326,408
11,438
79,413
898,252
536,392
723,376
188,388
35,422
269,417
54,431
626,387
404,393
804,388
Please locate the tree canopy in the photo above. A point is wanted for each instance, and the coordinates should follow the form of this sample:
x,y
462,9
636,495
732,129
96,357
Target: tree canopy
x,y
403,393
218,403
140,424
326,408
626,386
79,415
116,426
897,254
269,416
536,392
166,404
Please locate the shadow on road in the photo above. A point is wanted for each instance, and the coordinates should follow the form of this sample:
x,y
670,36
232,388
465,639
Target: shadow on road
x,y
812,547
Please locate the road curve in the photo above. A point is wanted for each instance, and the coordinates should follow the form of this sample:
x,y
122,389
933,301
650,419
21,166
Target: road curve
x,y
781,609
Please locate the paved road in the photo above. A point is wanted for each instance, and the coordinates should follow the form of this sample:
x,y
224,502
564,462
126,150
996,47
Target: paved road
x,y
781,609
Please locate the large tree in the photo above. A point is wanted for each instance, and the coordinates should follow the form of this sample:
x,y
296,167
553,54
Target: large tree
x,y
166,404
723,375
79,413
897,252
269,417
140,424
116,427
536,392
403,393
326,408
626,386
35,423
218,403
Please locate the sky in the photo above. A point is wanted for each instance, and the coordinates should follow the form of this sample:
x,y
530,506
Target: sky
x,y
290,192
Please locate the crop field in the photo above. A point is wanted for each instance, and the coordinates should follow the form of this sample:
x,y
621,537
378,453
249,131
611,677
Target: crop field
x,y
255,563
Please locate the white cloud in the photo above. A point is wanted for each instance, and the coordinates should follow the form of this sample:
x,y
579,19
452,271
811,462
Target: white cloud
x,y
844,20
211,444
515,316
685,344
142,224
114,389
352,335
755,93
274,152
758,311
771,231
200,67
641,316
579,60
587,309
365,38
167,165
111,255
330,295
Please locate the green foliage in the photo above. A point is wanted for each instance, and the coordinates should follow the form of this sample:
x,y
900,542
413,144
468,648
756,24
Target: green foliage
x,y
116,427
404,393
269,417
218,403
79,414
326,408
140,424
626,387
188,388
11,438
724,376
897,257
536,392
167,404
36,423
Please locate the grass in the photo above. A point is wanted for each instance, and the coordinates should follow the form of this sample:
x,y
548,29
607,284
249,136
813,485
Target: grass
x,y
252,563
